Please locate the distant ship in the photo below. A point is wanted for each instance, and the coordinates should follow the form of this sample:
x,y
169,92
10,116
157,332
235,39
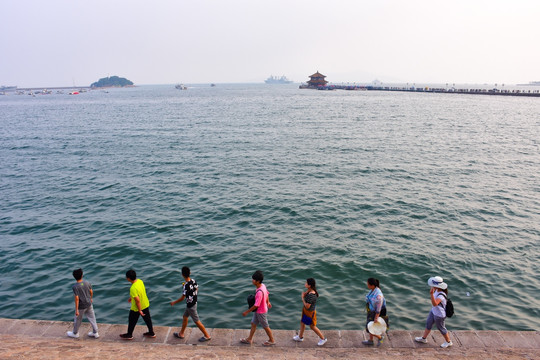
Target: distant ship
x,y
8,88
277,80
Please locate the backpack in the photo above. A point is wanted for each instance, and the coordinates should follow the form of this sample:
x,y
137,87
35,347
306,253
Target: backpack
x,y
251,299
449,309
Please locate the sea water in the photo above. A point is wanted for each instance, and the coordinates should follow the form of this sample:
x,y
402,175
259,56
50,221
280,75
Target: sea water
x,y
336,185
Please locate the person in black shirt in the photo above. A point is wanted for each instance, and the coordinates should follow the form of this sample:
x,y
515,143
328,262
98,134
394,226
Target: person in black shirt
x,y
190,289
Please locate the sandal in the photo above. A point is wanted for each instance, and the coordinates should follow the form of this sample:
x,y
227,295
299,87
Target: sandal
x,y
177,335
268,343
245,341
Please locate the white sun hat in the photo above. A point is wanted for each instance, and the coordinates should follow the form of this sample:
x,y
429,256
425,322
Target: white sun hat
x,y
437,282
377,328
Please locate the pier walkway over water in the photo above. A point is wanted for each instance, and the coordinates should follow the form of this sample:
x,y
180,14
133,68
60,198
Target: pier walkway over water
x,y
438,90
37,339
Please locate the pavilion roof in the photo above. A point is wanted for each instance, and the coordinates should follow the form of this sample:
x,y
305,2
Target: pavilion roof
x,y
317,74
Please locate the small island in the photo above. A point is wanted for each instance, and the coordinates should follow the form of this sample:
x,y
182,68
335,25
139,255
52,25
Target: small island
x,y
111,81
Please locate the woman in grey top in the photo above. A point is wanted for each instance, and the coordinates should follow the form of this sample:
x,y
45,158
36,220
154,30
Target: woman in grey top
x,y
309,314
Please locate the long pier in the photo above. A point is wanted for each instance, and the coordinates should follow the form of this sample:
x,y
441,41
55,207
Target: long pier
x,y
43,339
472,91
412,89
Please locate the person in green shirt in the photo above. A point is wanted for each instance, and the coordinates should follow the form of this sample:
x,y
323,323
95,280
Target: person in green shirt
x,y
140,306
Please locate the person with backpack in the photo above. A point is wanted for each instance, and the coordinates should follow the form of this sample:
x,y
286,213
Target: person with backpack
x,y
309,314
438,313
260,310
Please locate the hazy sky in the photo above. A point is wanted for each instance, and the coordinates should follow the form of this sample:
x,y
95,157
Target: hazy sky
x,y
66,42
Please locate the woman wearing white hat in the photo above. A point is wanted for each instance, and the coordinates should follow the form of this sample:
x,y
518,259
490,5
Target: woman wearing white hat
x,y
439,294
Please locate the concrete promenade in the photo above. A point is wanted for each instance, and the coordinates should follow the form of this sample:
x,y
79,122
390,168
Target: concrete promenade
x,y
36,339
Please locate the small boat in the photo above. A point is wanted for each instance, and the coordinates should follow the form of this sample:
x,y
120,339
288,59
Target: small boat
x,y
181,87
74,92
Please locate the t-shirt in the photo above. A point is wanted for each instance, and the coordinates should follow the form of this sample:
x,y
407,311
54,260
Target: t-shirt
x,y
439,310
82,290
190,292
311,298
261,294
138,289
376,300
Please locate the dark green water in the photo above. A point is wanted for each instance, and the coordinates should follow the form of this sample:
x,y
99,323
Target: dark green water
x,y
339,186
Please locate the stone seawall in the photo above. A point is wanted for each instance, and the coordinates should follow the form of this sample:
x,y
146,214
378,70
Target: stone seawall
x,y
39,339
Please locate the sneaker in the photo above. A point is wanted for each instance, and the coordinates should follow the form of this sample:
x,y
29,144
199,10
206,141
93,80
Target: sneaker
x,y
420,340
297,338
204,339
446,344
322,342
93,334
72,335
126,336
149,335
367,342
379,343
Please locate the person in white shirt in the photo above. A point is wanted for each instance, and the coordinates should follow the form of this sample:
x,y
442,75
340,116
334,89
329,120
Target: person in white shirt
x,y
437,315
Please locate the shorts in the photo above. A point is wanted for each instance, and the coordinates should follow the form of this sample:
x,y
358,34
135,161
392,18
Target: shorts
x,y
260,319
439,322
192,311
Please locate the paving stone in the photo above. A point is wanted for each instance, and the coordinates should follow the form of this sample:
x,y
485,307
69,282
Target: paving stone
x,y
333,336
439,339
533,338
430,340
491,339
401,339
220,337
161,332
6,324
468,339
515,339
284,338
37,327
259,337
194,336
239,334
352,338
58,329
311,339
171,339
114,331
20,326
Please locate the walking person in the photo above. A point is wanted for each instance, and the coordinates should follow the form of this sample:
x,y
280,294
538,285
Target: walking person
x,y
140,306
260,308
309,314
190,290
83,296
439,295
376,307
